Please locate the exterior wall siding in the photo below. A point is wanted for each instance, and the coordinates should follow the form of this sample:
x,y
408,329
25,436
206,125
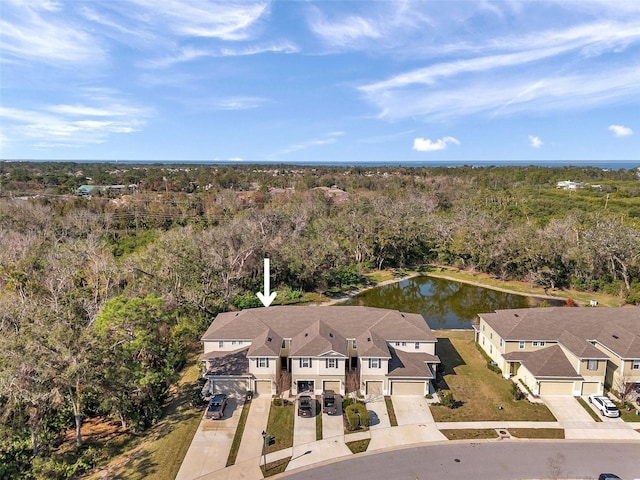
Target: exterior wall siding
x,y
227,345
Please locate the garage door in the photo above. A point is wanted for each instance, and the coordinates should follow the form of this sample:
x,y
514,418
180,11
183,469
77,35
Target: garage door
x,y
332,385
374,388
263,387
590,387
237,388
556,388
407,388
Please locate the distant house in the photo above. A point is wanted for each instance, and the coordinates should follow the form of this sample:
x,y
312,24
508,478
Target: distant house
x,y
87,190
311,349
564,351
568,185
333,193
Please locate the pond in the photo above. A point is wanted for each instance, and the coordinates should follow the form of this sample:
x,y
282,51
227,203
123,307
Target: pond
x,y
443,303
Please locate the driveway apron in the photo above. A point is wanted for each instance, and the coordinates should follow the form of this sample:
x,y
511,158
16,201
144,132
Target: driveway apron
x,y
411,410
378,414
211,444
332,425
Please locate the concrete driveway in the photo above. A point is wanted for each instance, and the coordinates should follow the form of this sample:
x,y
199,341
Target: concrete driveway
x,y
411,410
333,425
379,417
211,444
304,428
251,443
567,410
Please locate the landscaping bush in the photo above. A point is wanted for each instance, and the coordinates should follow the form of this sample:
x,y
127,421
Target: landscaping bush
x,y
353,412
446,398
516,392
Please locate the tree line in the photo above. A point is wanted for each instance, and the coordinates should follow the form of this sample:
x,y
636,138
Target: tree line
x,y
102,298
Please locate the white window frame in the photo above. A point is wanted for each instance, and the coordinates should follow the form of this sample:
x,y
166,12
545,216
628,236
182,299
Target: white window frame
x,y
417,346
331,363
397,343
542,343
501,342
592,364
404,344
220,343
635,365
262,362
375,363
522,344
305,363
534,343
233,342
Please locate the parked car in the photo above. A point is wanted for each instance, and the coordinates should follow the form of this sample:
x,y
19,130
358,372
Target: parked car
x,y
331,402
304,406
608,476
605,406
215,409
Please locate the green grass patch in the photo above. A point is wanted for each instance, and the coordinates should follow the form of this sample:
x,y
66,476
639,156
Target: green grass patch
x,y
359,446
589,410
280,426
627,415
391,412
318,421
553,433
235,445
274,468
480,394
357,417
469,433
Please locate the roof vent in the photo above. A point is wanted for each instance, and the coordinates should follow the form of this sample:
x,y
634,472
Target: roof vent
x,y
306,334
516,315
402,314
368,339
331,334
269,339
615,336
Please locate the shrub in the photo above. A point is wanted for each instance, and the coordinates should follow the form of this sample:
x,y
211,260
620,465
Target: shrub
x,y
516,392
357,415
446,398
246,300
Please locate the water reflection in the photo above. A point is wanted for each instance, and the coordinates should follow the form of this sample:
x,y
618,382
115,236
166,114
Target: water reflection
x,y
443,304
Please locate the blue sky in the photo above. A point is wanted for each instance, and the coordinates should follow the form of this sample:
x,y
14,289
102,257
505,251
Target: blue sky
x,y
327,81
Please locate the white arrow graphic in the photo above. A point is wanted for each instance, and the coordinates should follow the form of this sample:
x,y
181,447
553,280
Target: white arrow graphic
x,y
267,297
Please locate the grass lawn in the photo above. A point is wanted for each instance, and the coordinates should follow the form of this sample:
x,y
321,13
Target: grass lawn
x,y
481,390
469,433
237,438
391,412
555,433
359,446
628,416
160,451
274,468
586,406
280,426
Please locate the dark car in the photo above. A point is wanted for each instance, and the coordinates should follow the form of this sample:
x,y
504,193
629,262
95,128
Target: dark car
x,y
304,406
608,476
215,409
331,403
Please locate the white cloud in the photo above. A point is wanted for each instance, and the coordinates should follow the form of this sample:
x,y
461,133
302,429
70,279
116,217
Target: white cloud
x,y
535,141
620,131
427,145
344,31
237,103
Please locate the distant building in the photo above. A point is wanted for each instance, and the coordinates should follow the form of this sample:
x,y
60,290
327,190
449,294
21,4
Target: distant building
x,y
568,185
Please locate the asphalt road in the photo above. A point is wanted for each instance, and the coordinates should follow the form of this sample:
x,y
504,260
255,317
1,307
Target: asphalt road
x,y
501,460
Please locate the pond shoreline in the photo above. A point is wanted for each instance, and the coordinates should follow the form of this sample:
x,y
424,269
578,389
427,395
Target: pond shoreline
x,y
444,276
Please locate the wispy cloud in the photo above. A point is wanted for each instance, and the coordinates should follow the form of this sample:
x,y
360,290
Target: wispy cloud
x,y
387,138
620,130
71,125
236,103
535,141
427,145
329,139
344,31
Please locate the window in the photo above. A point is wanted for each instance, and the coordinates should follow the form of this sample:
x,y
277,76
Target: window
x,y
404,344
592,365
331,363
220,344
501,342
353,344
284,344
483,340
490,349
262,363
542,344
483,327
305,363
374,363
491,336
417,346
534,344
233,342
635,365
240,342
521,345
397,344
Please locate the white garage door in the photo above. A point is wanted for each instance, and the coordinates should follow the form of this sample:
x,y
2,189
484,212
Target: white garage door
x,y
374,388
233,387
332,385
263,387
407,388
556,388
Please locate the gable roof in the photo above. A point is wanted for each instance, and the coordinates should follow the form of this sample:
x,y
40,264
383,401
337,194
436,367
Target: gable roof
x,y
618,329
546,362
267,344
326,328
411,364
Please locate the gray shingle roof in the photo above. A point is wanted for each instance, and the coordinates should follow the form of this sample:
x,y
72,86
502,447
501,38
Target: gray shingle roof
x,y
344,322
550,362
410,364
231,363
600,324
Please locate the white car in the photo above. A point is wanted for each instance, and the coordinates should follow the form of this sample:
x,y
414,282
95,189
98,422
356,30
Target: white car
x,y
604,405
